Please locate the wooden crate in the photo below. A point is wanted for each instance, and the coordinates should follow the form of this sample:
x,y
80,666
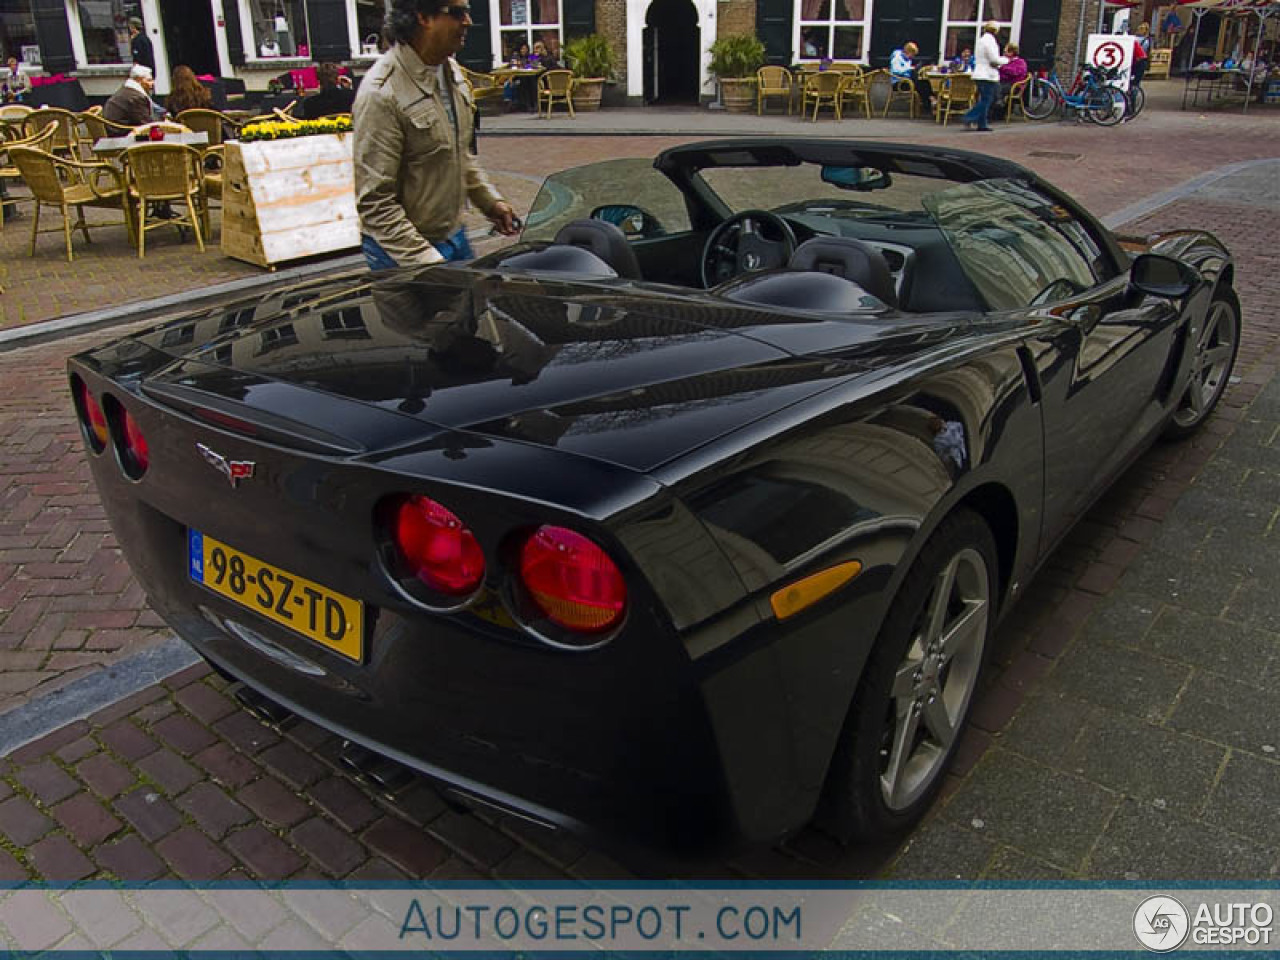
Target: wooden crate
x,y
287,199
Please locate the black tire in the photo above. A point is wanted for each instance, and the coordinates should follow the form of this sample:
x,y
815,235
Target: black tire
x,y
875,787
1213,359
1107,106
1040,100
1137,100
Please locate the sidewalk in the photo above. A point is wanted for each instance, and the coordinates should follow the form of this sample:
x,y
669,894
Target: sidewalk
x,y
1129,729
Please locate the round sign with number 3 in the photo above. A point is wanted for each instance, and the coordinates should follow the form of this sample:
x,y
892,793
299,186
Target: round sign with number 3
x,y
1108,55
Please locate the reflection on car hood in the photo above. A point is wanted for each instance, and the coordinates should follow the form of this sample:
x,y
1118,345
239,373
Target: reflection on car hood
x,y
601,370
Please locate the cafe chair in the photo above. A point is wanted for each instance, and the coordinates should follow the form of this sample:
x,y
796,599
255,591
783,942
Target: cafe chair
x,y
773,82
856,90
901,88
92,127
1017,100
173,172
65,139
66,184
213,123
212,168
956,97
555,85
11,117
822,89
10,173
486,90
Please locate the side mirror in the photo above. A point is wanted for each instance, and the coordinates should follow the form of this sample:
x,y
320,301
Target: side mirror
x,y
636,222
1158,276
862,179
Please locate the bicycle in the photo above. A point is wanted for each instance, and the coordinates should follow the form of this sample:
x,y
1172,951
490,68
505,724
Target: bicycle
x,y
1091,96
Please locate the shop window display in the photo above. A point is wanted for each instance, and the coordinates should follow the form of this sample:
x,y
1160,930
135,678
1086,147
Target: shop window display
x,y
529,22
104,25
18,32
833,29
279,27
370,15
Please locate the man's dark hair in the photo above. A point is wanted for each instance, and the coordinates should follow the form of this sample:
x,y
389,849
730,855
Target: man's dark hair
x,y
402,17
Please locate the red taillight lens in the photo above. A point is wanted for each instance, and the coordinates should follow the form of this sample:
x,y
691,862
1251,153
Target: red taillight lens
x,y
95,420
572,580
437,548
135,445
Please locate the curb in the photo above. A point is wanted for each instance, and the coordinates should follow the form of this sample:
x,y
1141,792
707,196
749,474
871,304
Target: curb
x,y
1148,205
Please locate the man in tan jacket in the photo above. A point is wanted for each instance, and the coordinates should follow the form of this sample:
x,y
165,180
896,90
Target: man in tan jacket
x,y
413,120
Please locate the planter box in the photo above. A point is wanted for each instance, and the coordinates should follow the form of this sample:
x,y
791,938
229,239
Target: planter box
x,y
738,95
287,199
587,93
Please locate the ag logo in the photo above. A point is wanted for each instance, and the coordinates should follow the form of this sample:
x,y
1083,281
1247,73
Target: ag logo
x,y
1161,923
1109,54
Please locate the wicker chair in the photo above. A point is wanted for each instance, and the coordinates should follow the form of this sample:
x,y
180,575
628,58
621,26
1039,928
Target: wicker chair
x,y
773,82
9,172
1017,100
170,172
65,140
484,87
956,97
215,124
902,87
822,88
555,85
856,90
55,182
92,127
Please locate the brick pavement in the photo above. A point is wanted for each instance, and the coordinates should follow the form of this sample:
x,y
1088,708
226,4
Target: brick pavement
x,y
1109,646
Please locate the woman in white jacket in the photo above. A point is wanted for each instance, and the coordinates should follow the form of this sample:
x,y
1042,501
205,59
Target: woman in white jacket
x,y
987,62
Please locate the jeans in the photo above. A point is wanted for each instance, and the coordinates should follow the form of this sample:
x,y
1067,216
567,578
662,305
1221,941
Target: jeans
x,y
987,90
457,247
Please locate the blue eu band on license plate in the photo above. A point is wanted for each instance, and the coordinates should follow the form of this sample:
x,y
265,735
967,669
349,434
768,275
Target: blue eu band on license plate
x,y
325,616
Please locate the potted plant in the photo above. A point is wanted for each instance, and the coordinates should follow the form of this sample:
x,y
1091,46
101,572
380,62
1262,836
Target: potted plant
x,y
734,61
592,61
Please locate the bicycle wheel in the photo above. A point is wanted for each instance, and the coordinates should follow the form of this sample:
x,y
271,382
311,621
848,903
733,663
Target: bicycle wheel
x,y
1106,106
1137,100
1041,100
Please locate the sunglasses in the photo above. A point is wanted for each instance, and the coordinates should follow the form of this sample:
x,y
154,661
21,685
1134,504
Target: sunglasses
x,y
460,12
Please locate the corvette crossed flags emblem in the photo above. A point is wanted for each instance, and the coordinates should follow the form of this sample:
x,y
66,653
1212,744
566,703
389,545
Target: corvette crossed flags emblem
x,y
233,470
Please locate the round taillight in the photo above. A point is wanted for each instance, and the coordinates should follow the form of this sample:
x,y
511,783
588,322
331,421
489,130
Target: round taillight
x,y
572,580
436,547
135,446
95,421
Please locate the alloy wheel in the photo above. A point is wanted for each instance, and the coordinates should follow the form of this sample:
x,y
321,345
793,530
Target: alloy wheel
x,y
1210,366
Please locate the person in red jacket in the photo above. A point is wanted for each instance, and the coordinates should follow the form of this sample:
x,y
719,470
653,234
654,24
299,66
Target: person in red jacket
x,y
1015,71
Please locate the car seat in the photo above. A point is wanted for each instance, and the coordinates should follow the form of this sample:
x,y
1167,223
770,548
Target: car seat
x,y
851,259
606,241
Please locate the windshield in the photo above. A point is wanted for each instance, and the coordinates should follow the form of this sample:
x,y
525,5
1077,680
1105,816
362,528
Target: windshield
x,y
803,189
607,191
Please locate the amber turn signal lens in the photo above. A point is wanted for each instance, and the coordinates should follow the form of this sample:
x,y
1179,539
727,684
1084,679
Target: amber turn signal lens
x,y
572,580
95,422
803,594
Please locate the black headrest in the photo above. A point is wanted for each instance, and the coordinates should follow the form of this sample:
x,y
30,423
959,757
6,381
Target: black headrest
x,y
851,259
558,259
823,292
606,241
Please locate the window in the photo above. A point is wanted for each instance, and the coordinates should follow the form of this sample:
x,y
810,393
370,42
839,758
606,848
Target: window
x,y
369,17
963,18
593,191
273,338
833,29
279,28
18,31
529,22
104,24
1017,246
344,324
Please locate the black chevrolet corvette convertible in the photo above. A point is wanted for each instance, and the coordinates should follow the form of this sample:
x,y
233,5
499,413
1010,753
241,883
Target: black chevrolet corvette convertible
x,y
688,518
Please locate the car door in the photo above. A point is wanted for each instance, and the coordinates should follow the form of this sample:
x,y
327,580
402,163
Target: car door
x,y
1102,352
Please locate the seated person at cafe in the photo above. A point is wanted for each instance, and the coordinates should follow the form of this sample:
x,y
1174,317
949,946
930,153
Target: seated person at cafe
x,y
335,95
542,57
188,93
902,67
15,84
131,105
1015,71
962,62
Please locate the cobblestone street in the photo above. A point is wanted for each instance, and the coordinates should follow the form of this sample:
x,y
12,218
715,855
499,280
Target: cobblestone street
x,y
1128,729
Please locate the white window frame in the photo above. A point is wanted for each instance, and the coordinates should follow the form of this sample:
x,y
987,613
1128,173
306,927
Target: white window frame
x,y
353,31
249,38
496,29
799,26
80,49
1014,25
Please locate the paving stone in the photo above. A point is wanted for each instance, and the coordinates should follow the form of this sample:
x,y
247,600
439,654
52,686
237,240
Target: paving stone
x,y
1231,713
183,734
1183,582
1257,604
11,871
344,802
1121,619
77,750
1048,727
212,809
49,743
22,823
523,866
273,802
192,855
130,859
1219,646
84,817
127,741
942,851
149,812
292,765
46,781
204,703
471,837
265,854
1013,865
406,846
170,771
327,846
1145,843
58,861
1122,679
376,870
225,764
1244,799
1031,807
105,776
243,731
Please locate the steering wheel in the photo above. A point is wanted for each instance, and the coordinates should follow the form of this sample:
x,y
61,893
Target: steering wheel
x,y
744,243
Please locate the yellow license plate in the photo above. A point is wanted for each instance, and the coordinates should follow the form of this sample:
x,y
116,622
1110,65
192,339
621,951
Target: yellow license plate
x,y
318,613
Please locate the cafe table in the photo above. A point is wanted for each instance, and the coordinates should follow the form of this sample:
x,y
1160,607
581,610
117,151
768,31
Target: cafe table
x,y
113,146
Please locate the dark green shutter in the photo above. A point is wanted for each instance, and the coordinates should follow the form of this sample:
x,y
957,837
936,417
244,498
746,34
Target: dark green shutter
x,y
893,24
1038,40
773,27
477,52
327,24
579,18
235,42
53,35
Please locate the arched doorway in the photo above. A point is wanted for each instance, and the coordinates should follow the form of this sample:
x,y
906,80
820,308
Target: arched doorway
x,y
671,52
